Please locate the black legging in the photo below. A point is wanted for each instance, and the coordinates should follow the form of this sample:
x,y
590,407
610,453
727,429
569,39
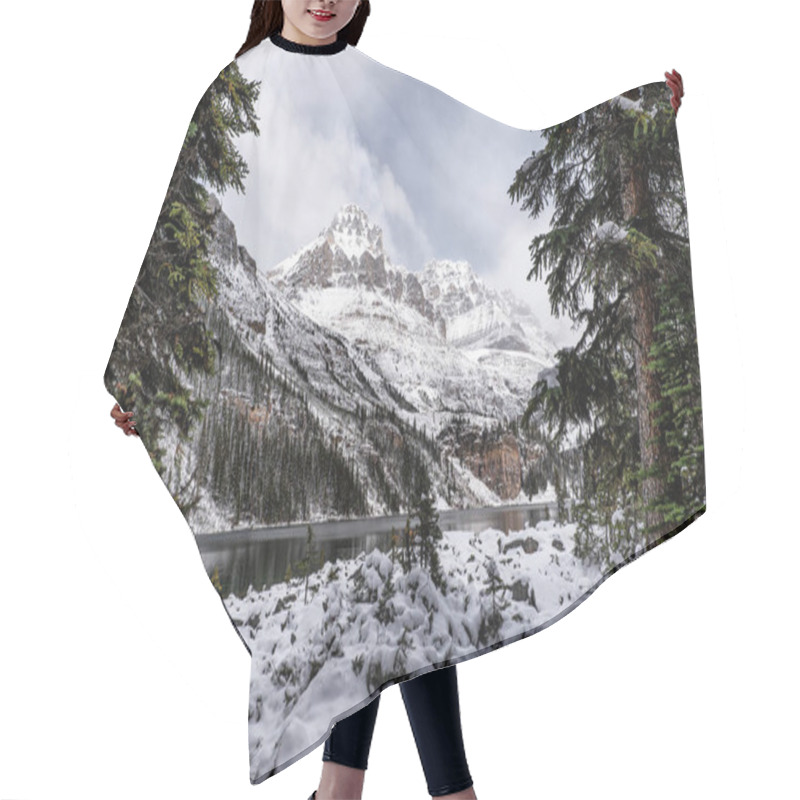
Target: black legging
x,y
433,711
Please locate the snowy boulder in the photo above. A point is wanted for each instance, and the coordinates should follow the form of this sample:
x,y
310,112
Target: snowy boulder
x,y
519,590
528,545
284,602
522,592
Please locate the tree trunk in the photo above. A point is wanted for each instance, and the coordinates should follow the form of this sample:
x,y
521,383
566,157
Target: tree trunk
x,y
643,309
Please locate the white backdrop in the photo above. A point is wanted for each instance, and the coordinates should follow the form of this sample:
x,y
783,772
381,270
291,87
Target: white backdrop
x,y
120,674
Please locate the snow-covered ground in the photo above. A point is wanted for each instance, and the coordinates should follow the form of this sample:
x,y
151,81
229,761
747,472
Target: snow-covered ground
x,y
365,624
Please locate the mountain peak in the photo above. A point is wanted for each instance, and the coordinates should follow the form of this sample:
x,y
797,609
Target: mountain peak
x,y
352,230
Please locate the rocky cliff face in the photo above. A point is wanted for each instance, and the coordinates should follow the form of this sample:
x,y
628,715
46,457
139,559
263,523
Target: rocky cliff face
x,y
496,463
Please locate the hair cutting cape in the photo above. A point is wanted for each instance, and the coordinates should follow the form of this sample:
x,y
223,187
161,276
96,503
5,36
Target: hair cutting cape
x,y
418,380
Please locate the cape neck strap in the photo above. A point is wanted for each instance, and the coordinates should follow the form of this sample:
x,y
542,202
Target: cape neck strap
x,y
308,49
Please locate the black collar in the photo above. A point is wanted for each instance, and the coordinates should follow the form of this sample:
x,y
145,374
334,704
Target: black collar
x,y
309,49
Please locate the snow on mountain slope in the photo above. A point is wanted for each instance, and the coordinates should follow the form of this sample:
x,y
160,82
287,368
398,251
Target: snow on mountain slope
x,y
443,337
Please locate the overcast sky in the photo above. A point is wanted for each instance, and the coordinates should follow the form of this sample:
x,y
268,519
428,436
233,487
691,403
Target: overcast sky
x,y
432,172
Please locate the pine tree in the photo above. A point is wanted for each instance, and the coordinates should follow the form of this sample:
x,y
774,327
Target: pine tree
x,y
384,609
408,546
618,232
530,484
492,620
310,556
676,362
561,496
429,534
177,279
394,541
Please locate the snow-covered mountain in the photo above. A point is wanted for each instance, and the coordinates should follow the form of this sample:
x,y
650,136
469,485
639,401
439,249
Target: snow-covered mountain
x,y
445,339
334,363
